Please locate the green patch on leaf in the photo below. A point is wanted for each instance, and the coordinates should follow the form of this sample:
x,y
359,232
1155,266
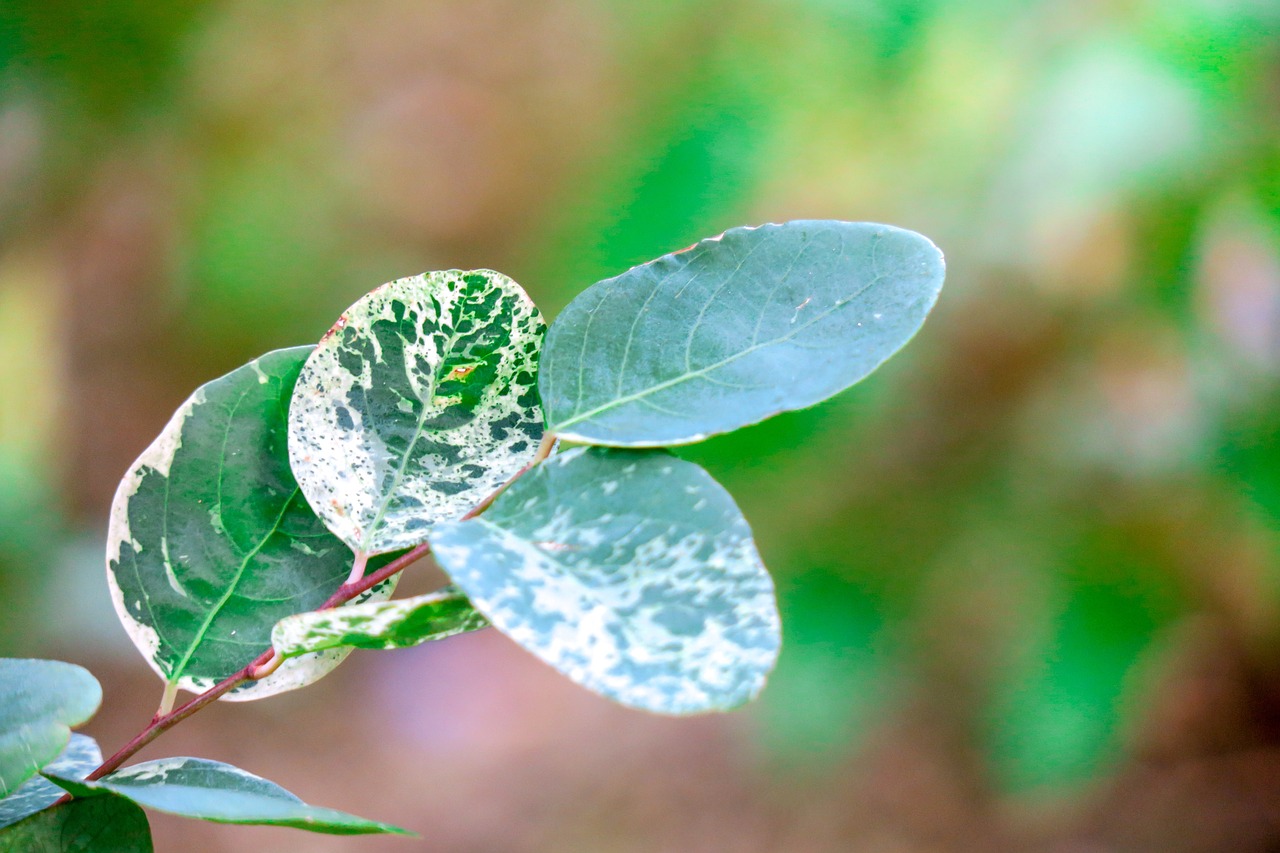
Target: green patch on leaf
x,y
379,625
98,825
213,791
417,404
633,573
734,330
211,542
36,794
40,700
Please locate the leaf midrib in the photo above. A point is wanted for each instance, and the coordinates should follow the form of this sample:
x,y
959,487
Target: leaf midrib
x,y
691,375
202,632
367,541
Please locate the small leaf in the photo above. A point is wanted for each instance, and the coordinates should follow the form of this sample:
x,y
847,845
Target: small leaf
x,y
734,330
36,794
40,700
211,542
213,791
417,404
97,825
633,573
383,625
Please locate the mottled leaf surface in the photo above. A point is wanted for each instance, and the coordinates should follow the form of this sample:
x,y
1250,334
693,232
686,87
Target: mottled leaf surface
x,y
379,625
417,404
40,700
97,825
211,542
213,791
733,330
631,572
78,760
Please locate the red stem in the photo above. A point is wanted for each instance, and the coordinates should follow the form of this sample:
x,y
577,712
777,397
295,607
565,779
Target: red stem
x,y
160,724
255,669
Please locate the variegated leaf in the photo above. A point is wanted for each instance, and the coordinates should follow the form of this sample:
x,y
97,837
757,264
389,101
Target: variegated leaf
x,y
40,700
36,794
383,625
419,402
218,792
733,330
211,542
631,572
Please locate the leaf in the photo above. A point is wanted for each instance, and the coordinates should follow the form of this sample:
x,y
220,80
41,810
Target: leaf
x,y
211,542
36,794
734,330
40,700
97,825
633,573
417,404
383,625
213,791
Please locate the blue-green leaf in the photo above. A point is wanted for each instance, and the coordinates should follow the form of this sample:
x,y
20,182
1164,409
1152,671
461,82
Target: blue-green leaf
x,y
733,330
40,700
211,541
36,794
213,791
417,404
631,572
98,825
394,624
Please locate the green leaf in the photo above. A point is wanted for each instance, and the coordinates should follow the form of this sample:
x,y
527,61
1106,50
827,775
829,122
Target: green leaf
x,y
97,825
40,700
211,542
36,794
383,625
633,573
734,330
213,791
417,404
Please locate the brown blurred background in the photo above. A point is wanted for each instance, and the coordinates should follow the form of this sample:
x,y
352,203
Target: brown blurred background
x,y
1029,572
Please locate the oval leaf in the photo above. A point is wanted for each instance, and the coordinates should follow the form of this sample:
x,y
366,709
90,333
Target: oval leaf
x,y
417,404
40,700
383,625
36,794
734,330
211,542
222,793
97,825
632,573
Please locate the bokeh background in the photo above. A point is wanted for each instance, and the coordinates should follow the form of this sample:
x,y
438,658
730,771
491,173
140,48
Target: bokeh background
x,y
1029,572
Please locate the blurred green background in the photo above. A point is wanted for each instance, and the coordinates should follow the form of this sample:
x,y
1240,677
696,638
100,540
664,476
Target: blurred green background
x,y
1029,572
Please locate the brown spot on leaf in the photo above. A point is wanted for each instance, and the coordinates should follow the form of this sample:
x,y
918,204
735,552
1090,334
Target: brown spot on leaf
x,y
336,327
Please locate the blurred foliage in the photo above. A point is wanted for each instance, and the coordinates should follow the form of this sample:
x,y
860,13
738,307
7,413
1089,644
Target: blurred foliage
x,y
1014,519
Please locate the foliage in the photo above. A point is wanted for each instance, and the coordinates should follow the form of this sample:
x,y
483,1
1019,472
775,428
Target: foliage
x,y
417,423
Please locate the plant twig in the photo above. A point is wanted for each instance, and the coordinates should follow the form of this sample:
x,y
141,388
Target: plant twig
x,y
267,662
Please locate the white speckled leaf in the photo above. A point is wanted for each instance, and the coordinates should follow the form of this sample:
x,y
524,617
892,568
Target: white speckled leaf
x,y
419,402
40,700
631,572
733,330
395,624
78,760
218,792
211,542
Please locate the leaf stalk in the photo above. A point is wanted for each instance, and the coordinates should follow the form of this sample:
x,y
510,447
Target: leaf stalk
x,y
266,663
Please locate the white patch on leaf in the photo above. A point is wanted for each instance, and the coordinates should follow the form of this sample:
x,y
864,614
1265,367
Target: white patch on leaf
x,y
157,457
660,603
417,404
